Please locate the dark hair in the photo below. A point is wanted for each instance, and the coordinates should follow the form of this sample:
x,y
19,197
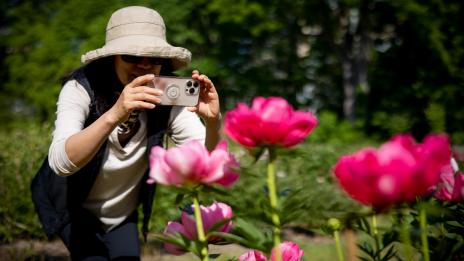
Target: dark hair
x,y
102,78
104,82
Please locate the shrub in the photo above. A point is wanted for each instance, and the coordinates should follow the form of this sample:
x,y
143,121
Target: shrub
x,y
23,149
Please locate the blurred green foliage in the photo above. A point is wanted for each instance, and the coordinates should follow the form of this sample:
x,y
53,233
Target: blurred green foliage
x,y
285,48
331,130
412,57
23,150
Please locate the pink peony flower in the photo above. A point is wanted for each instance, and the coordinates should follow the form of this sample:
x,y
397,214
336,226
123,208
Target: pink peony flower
x,y
290,252
270,121
210,216
192,163
399,171
253,255
451,185
172,228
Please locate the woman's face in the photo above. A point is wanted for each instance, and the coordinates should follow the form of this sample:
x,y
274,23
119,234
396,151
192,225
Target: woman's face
x,y
130,67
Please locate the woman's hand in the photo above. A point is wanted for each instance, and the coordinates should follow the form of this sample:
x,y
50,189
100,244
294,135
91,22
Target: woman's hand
x,y
208,109
208,106
135,96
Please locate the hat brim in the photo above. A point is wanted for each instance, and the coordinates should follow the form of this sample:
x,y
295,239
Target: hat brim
x,y
141,45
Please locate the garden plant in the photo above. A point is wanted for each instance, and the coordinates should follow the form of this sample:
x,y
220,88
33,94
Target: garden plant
x,y
374,73
401,179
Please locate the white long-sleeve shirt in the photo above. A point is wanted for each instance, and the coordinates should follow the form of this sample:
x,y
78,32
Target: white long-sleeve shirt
x,y
114,195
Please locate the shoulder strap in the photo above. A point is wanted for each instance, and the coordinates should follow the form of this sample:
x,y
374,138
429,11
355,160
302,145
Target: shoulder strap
x,y
81,182
81,78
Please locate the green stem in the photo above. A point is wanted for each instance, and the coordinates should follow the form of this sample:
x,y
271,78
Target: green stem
x,y
423,227
200,231
376,237
406,238
339,246
271,183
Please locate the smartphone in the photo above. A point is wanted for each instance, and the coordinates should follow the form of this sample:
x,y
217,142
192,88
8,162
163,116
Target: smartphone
x,y
178,91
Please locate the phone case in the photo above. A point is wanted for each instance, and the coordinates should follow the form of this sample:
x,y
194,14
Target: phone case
x,y
179,91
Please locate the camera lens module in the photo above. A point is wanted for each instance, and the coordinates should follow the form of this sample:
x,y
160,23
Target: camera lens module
x,y
191,87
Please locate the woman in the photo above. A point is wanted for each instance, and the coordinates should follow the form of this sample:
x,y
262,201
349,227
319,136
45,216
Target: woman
x,y
107,121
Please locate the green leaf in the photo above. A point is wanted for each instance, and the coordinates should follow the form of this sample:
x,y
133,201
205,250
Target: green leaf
x,y
367,248
257,153
247,235
230,238
248,230
174,239
389,237
363,225
179,198
391,252
364,258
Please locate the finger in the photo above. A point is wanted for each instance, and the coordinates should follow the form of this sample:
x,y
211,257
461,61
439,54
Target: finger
x,y
141,80
148,90
146,98
195,72
141,105
203,77
192,109
206,82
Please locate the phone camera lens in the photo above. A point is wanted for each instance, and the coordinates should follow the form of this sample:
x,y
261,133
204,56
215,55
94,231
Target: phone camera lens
x,y
189,83
191,91
195,84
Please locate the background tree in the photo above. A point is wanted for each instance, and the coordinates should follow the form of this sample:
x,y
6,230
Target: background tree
x,y
386,66
366,61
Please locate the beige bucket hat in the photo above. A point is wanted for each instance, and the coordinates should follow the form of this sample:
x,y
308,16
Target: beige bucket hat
x,y
138,31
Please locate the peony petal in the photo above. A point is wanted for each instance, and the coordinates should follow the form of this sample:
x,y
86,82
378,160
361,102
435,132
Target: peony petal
x,y
444,189
289,251
298,127
239,124
458,190
159,171
173,228
228,179
215,170
180,162
274,110
253,255
189,224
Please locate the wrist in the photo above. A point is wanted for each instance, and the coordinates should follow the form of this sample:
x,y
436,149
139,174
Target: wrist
x,y
213,121
110,120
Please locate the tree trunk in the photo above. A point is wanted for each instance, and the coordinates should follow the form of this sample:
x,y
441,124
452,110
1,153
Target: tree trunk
x,y
355,60
349,91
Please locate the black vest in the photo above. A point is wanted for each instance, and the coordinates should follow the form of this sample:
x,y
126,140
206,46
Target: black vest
x,y
58,200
